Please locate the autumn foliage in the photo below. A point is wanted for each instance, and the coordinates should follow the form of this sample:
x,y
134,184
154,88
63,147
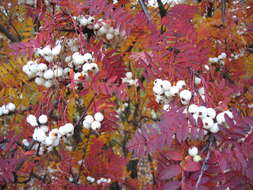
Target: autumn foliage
x,y
105,95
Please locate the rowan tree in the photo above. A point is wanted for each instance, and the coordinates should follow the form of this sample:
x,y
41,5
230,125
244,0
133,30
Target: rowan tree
x,y
126,95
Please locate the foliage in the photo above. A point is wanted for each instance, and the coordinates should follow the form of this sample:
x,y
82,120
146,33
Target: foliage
x,y
205,44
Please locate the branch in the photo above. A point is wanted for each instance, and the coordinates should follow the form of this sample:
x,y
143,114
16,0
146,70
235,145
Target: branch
x,y
223,10
145,10
162,10
204,166
10,36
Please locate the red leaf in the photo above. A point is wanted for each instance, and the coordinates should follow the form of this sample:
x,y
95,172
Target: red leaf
x,y
170,172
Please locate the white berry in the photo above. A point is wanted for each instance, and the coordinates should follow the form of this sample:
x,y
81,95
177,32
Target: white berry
x,y
197,158
99,116
95,125
89,119
193,151
43,119
11,107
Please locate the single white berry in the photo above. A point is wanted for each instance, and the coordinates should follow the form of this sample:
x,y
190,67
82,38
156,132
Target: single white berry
x,y
215,128
32,120
181,84
197,158
43,119
39,81
34,68
54,133
56,50
94,67
5,110
211,113
185,96
222,56
39,135
166,85
46,51
86,125
11,107
69,127
158,82
167,93
109,36
87,67
174,90
192,109
89,119
45,128
95,125
129,75
158,89
48,141
58,71
25,142
202,111
99,116
78,59
197,80
201,91
208,122
88,57
207,67
48,83
166,107
77,75
49,74
193,151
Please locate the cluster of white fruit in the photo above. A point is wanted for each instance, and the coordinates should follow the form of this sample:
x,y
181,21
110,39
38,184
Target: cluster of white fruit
x,y
102,28
164,92
93,123
43,75
6,109
99,181
193,152
48,53
41,134
129,79
86,62
218,59
210,120
105,30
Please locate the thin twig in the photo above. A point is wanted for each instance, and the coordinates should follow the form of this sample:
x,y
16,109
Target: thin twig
x,y
9,35
145,10
162,10
204,165
223,10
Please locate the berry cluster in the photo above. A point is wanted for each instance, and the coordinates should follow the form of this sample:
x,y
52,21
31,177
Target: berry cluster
x,y
44,75
48,53
99,181
164,92
193,151
129,79
47,139
93,123
83,64
210,120
6,109
103,29
218,59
